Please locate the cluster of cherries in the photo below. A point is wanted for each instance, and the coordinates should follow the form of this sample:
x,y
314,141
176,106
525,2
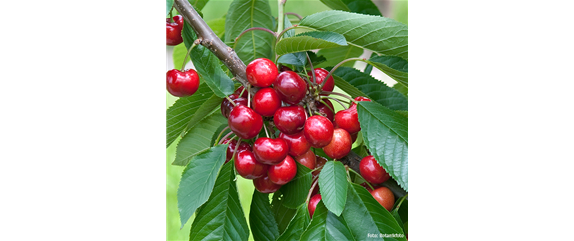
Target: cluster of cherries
x,y
179,83
271,162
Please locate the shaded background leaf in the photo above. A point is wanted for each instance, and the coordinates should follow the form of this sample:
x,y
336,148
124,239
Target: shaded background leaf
x,y
197,139
263,225
245,14
295,192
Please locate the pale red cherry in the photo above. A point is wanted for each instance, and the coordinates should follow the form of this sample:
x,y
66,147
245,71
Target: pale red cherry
x,y
340,144
313,204
308,159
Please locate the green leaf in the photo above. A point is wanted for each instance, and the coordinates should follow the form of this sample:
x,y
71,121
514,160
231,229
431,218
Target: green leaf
x,y
287,23
197,139
221,217
218,26
217,131
326,225
403,112
372,88
245,14
282,213
207,108
357,6
169,4
336,55
336,5
197,181
400,213
295,192
333,186
381,35
310,41
179,52
263,225
401,88
181,112
198,4
207,65
395,67
385,133
297,225
364,216
297,59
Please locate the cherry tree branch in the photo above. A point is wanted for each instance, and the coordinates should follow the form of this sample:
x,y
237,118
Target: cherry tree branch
x,y
209,39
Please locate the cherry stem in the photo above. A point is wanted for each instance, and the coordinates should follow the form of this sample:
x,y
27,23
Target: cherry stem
x,y
313,72
187,55
230,100
219,136
311,190
338,101
306,78
325,103
398,206
171,14
295,14
251,29
265,128
280,15
243,90
339,94
339,65
228,134
358,174
235,152
248,96
309,109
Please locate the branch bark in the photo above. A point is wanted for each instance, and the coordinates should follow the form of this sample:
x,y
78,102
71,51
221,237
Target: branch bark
x,y
210,40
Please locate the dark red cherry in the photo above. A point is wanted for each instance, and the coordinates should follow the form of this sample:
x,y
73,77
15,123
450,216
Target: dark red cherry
x,y
320,74
182,84
173,30
264,185
261,72
227,106
354,137
364,184
232,145
290,119
371,170
319,163
241,90
359,98
284,68
313,204
283,172
248,167
297,143
308,159
326,110
290,87
244,122
318,131
270,151
340,144
266,101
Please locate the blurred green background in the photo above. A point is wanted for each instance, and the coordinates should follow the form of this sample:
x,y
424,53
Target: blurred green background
x,y
214,9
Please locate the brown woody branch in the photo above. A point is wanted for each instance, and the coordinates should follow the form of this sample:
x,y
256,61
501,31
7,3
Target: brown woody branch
x,y
210,40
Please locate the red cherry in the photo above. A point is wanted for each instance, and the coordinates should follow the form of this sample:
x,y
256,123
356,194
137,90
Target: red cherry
x,y
320,74
264,185
289,119
182,84
297,143
266,101
290,87
231,148
313,204
244,122
283,172
173,30
308,159
340,144
359,98
384,196
248,167
349,119
227,106
318,131
354,137
371,170
270,151
261,72
325,111
284,68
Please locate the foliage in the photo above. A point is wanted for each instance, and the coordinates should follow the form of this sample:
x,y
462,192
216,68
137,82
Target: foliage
x,y
208,193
